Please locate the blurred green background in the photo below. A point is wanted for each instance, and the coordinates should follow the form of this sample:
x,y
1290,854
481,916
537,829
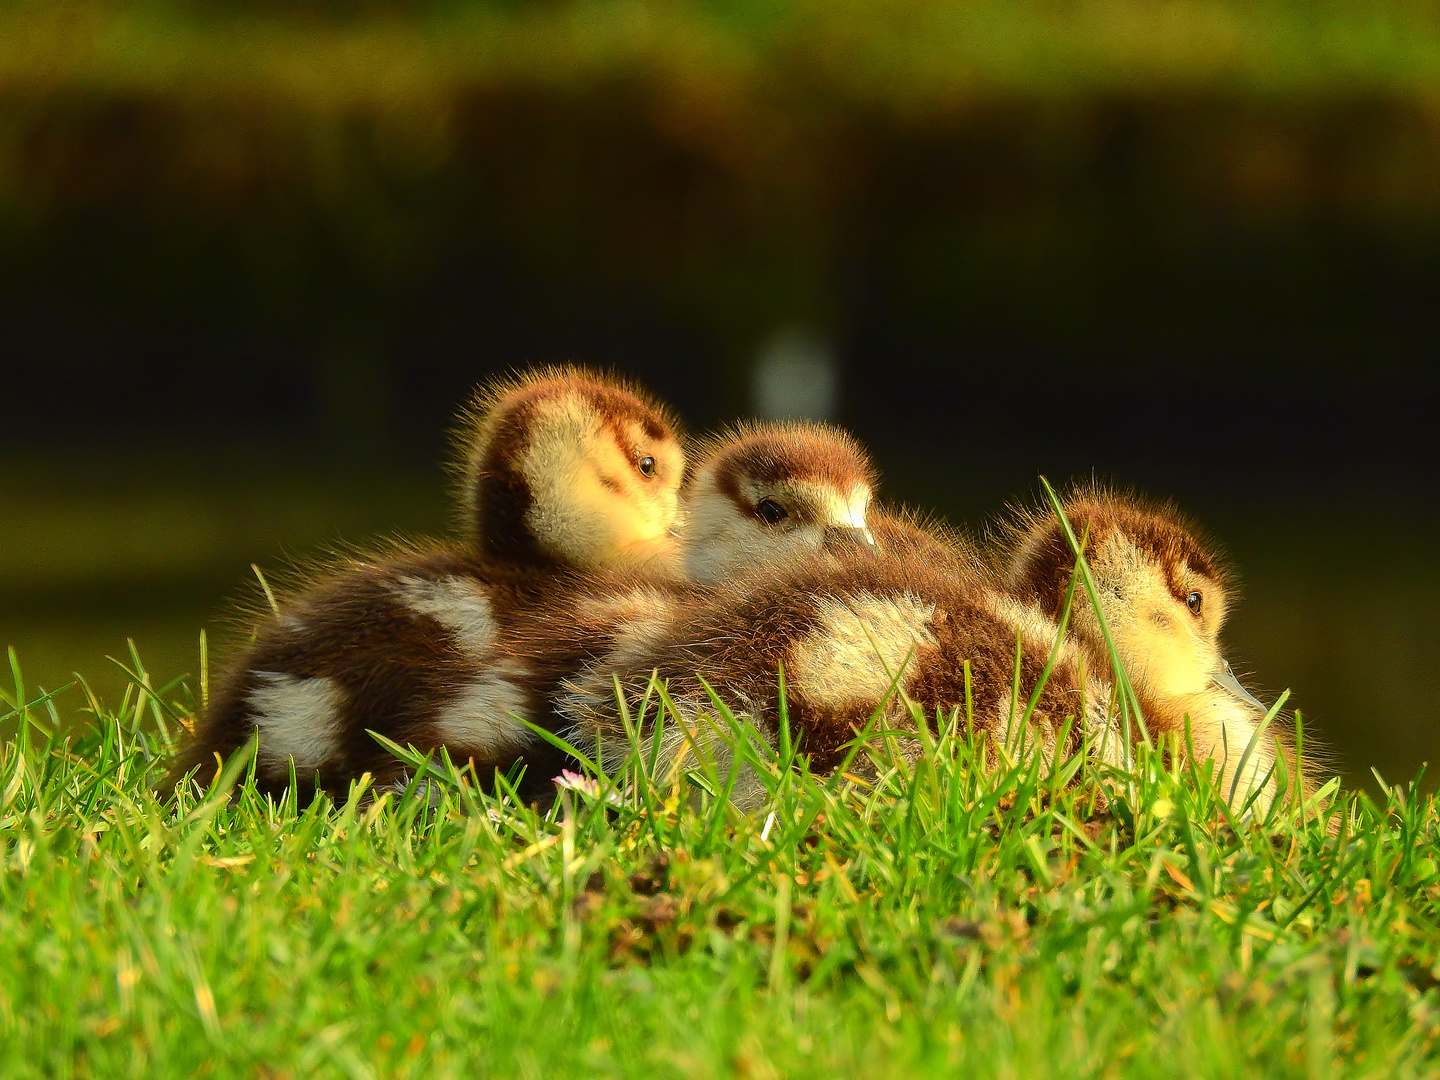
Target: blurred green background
x,y
252,256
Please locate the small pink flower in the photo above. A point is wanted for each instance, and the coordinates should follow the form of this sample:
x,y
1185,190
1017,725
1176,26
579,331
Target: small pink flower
x,y
585,785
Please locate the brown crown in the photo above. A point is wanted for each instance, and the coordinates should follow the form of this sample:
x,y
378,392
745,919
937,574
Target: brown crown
x,y
1042,559
769,453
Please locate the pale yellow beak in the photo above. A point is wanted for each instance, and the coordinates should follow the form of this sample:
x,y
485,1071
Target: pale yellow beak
x,y
1225,679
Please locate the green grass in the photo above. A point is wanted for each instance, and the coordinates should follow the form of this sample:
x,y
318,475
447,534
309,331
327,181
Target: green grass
x,y
954,918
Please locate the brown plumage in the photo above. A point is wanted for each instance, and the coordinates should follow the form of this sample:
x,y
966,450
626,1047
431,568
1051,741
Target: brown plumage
x,y
1165,593
906,534
409,645
441,645
843,627
580,475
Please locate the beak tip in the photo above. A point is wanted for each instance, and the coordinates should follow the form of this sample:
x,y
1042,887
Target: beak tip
x,y
1225,679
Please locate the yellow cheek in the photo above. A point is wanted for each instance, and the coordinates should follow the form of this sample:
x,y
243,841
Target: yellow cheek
x,y
1170,660
1178,673
642,525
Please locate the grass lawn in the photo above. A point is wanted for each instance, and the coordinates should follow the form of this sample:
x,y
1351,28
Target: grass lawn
x,y
952,918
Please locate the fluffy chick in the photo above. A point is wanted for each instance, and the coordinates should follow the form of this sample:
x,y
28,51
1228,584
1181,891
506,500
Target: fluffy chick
x,y
1165,594
565,473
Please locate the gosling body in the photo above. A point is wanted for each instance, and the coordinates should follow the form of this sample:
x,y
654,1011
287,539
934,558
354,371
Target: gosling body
x,y
859,635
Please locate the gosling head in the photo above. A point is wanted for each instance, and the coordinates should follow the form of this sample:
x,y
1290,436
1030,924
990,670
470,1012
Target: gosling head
x,y
766,492
567,466
1163,591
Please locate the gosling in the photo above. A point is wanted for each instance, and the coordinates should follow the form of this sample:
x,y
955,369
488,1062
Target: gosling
x,y
434,648
1165,594
564,473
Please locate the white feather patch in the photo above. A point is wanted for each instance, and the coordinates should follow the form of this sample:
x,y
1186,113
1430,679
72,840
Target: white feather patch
x,y
862,641
480,720
458,604
1031,624
298,719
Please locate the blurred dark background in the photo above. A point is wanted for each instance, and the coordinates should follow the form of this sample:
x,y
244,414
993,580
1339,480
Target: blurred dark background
x,y
253,256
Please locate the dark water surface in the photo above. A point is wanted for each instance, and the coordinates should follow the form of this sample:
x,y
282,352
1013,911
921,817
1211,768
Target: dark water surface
x,y
1340,591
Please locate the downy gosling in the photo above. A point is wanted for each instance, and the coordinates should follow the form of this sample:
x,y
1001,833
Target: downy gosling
x,y
564,473
1165,594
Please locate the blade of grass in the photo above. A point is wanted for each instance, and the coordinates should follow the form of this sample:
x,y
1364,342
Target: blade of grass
x,y
1129,701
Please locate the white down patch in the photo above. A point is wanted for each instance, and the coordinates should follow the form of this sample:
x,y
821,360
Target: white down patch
x,y
456,603
298,719
638,619
861,642
479,721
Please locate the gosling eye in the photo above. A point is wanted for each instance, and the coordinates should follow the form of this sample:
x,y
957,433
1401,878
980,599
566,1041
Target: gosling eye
x,y
646,465
771,512
1194,602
